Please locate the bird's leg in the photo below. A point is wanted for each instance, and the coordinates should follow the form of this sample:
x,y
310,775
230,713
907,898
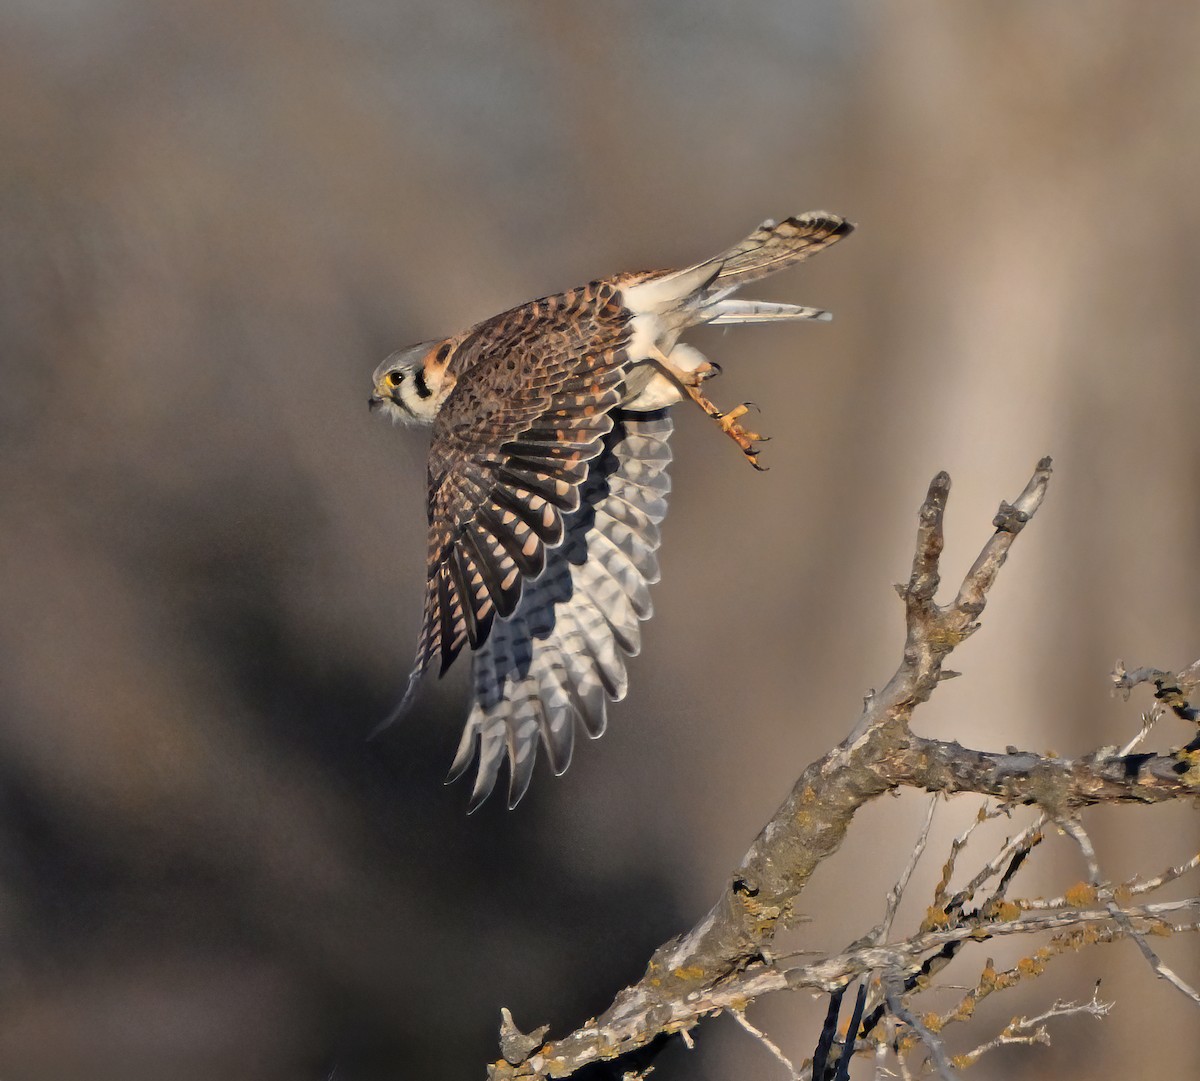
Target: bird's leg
x,y
691,381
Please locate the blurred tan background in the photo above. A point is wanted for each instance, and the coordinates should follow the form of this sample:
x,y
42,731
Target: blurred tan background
x,y
216,218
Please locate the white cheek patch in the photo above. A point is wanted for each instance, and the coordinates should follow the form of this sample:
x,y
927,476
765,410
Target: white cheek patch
x,y
418,410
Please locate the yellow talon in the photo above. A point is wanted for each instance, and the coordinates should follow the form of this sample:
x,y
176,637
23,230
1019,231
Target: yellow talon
x,y
743,438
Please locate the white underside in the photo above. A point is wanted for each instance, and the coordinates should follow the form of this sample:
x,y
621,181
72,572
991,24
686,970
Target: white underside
x,y
649,387
664,306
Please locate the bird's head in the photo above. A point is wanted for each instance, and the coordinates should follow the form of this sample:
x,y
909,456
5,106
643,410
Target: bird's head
x,y
411,384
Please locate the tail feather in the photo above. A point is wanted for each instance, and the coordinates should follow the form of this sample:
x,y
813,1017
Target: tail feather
x,y
700,293
775,246
762,311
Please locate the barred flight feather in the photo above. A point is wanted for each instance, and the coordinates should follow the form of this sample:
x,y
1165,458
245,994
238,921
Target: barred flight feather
x,y
559,657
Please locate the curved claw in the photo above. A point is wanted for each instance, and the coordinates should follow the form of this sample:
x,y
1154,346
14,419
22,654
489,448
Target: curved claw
x,y
747,440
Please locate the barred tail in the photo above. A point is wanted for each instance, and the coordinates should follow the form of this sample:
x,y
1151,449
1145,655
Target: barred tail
x,y
775,246
700,293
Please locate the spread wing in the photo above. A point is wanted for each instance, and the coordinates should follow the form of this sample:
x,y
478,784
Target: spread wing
x,y
510,449
560,656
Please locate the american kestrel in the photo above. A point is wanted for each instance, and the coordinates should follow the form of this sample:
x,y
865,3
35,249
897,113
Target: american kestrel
x,y
548,481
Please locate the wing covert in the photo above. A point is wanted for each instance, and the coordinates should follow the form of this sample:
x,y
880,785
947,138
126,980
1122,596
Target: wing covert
x,y
511,446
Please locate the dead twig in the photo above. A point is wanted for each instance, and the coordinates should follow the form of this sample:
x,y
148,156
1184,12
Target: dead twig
x,y
1032,1030
894,998
1079,835
740,1017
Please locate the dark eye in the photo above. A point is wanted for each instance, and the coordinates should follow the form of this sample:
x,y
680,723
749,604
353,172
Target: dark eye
x,y
395,378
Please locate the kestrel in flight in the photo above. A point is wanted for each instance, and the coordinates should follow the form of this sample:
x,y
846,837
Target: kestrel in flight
x,y
548,481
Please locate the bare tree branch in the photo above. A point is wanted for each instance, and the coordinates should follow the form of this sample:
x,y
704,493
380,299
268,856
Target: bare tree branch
x,y
1075,829
1173,689
740,1017
1032,1030
881,932
898,1008
725,961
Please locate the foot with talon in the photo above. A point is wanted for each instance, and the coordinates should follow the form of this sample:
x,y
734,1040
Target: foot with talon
x,y
743,438
689,382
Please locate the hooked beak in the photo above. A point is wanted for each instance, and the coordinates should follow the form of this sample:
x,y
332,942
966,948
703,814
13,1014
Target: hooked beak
x,y
387,401
381,394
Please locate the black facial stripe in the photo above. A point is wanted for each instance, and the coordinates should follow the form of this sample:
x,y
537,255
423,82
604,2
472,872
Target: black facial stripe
x,y
423,390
